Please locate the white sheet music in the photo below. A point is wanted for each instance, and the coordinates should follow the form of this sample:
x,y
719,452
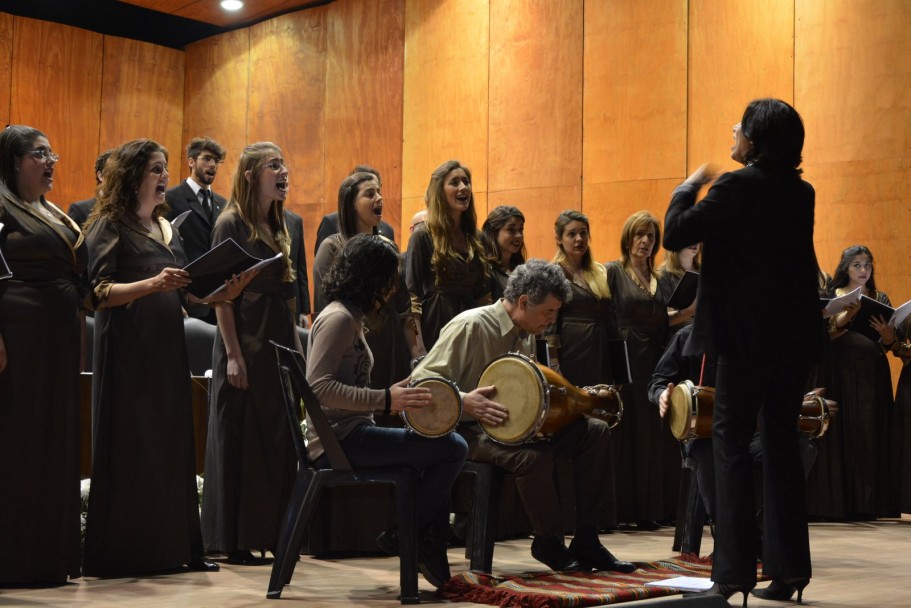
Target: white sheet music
x,y
684,583
836,305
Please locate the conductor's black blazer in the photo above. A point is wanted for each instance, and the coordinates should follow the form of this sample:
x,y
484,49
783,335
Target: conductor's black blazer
x,y
757,295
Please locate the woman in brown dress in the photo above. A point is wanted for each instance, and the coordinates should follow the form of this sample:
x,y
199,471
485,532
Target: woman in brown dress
x,y
250,460
39,367
446,271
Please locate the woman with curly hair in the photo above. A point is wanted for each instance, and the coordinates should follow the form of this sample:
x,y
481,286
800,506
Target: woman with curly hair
x,y
39,367
643,447
359,280
250,460
143,513
446,271
503,235
391,329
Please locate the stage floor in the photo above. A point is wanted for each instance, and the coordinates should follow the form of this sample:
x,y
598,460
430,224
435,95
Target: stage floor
x,y
858,565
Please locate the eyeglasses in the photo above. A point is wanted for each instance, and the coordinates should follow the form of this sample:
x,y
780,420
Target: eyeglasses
x,y
44,155
276,165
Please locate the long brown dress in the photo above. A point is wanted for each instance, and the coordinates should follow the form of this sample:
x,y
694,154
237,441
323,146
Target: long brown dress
x,y
39,397
250,460
646,455
143,507
902,421
464,286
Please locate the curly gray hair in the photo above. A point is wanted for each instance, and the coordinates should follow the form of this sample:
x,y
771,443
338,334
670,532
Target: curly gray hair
x,y
537,279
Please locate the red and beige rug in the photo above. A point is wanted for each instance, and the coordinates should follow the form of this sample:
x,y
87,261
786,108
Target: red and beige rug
x,y
570,589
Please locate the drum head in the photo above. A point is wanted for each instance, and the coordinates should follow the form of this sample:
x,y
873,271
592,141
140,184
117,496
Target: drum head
x,y
443,413
680,411
521,390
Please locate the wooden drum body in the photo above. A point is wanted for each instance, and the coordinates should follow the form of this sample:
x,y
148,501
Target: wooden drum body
x,y
540,401
443,413
690,411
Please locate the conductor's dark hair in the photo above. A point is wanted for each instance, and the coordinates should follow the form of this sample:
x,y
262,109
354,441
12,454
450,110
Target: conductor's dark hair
x,y
776,132
841,278
363,273
538,279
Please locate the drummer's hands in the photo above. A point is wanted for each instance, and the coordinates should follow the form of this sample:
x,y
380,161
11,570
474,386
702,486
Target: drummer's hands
x,y
408,398
664,401
477,404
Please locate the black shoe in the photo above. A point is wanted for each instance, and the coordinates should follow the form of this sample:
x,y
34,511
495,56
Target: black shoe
x,y
782,591
200,564
596,557
388,542
726,591
241,557
552,552
647,525
433,563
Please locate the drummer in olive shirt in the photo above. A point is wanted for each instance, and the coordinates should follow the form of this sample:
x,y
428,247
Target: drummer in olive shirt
x,y
534,294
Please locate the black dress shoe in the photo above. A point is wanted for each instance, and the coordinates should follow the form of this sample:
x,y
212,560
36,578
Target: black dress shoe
x,y
552,552
596,557
647,525
241,557
202,565
433,563
726,591
782,591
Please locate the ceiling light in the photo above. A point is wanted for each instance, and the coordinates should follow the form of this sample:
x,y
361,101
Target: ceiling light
x,y
232,5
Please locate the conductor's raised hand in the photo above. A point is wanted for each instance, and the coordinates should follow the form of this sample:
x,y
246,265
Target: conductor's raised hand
x,y
664,401
408,398
702,175
479,405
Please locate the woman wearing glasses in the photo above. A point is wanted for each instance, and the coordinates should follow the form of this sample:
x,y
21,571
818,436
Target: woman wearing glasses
x,y
39,390
250,460
854,476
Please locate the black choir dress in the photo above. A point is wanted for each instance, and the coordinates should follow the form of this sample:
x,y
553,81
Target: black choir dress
x,y
464,286
855,475
143,508
250,459
498,280
902,423
646,454
667,283
39,396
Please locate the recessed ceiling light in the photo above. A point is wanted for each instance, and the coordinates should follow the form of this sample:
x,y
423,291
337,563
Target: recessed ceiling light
x,y
232,5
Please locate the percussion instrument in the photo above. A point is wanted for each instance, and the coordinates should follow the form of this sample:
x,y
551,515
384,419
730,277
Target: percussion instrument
x,y
443,413
691,410
540,401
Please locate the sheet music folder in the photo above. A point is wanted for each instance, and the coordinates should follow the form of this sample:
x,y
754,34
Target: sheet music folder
x,y
209,271
685,292
870,308
5,272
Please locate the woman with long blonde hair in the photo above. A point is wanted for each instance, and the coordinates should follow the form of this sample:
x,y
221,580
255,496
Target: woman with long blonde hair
x,y
250,460
675,265
446,271
644,449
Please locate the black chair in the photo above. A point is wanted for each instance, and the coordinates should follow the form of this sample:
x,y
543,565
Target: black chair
x,y
480,534
310,482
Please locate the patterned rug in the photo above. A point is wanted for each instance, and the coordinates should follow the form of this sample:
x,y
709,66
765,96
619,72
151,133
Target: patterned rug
x,y
570,589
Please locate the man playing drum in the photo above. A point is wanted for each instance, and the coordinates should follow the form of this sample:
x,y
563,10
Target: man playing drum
x,y
532,297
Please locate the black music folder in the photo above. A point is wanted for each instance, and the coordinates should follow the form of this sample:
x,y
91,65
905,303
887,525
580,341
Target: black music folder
x,y
5,272
685,292
619,362
209,271
870,308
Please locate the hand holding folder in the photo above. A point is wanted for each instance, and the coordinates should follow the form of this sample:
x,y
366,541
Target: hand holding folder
x,y
209,271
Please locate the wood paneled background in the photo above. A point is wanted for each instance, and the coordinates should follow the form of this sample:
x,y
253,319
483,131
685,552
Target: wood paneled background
x,y
603,105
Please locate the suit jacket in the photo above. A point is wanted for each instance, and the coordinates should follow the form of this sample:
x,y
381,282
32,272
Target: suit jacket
x,y
757,295
329,226
79,211
300,289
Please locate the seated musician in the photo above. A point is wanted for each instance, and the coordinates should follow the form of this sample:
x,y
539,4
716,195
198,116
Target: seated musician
x,y
466,345
675,367
338,369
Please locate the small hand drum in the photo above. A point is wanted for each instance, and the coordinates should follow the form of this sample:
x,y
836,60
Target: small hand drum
x,y
443,413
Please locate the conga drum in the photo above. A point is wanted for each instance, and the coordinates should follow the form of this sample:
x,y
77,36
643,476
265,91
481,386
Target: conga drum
x,y
815,415
540,401
443,413
690,412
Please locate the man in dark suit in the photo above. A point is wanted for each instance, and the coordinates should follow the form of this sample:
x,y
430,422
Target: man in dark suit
x,y
329,224
196,196
79,211
300,289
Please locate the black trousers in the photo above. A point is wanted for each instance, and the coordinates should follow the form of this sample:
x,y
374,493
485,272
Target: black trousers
x,y
745,389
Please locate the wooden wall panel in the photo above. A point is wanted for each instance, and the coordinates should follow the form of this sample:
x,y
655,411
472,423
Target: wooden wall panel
x,y
363,104
142,96
738,51
215,99
535,94
608,205
6,64
634,103
445,107
56,87
540,207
